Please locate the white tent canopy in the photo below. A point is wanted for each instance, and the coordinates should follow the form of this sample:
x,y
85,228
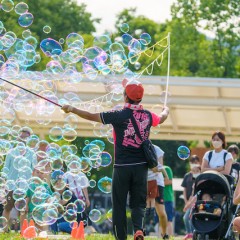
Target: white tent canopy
x,y
198,106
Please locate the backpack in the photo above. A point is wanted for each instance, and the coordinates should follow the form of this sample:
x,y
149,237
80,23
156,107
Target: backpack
x,y
210,156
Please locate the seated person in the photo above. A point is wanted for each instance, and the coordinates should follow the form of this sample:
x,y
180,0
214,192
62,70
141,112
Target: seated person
x,y
205,207
208,207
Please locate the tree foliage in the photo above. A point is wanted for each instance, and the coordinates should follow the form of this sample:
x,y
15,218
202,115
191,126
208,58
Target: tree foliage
x,y
218,18
62,16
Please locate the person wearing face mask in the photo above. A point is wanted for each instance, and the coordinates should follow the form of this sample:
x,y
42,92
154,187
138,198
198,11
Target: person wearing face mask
x,y
219,159
187,184
234,150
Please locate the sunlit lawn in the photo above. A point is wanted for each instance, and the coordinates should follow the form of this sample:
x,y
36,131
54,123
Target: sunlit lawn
x,y
15,236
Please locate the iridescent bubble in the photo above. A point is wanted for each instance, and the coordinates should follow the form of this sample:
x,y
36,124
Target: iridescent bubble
x,y
40,196
7,5
95,215
25,20
56,164
72,37
145,38
21,183
124,27
54,67
133,56
32,41
103,42
26,33
21,8
19,194
106,159
126,39
3,223
57,180
34,182
137,65
109,215
67,195
74,167
183,152
5,147
10,185
45,214
56,134
20,204
70,215
69,134
92,183
91,151
99,143
50,47
73,149
32,141
47,29
86,164
4,131
80,205
105,185
71,120
61,40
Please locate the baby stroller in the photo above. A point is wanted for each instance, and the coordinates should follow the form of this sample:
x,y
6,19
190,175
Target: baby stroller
x,y
212,219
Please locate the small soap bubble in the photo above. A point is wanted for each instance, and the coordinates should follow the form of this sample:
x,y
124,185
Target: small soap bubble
x,y
183,152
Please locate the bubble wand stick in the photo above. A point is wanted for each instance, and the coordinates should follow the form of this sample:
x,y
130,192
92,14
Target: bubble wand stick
x,y
168,71
31,92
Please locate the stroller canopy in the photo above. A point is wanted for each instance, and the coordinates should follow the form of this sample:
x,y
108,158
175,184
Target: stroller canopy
x,y
213,182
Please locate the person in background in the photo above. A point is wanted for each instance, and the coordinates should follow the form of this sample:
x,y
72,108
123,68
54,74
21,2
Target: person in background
x,y
187,184
130,166
37,188
234,150
158,202
169,200
218,159
236,201
14,174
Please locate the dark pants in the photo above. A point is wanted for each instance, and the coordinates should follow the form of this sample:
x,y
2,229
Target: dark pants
x,y
132,180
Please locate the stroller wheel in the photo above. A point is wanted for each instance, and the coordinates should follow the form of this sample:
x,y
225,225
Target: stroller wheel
x,y
197,236
206,237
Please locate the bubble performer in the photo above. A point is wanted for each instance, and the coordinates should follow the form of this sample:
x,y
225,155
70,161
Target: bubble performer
x,y
130,166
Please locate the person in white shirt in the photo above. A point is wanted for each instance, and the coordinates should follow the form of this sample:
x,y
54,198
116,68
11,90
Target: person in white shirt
x,y
158,201
219,159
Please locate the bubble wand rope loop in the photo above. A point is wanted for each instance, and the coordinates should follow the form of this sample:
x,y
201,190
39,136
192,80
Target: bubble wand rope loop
x,y
168,71
31,92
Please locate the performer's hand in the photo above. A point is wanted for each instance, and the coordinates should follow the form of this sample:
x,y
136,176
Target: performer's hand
x,y
67,108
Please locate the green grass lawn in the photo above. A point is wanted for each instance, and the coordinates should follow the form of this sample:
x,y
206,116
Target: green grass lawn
x,y
15,236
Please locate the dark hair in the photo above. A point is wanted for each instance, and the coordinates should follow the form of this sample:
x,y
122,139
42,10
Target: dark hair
x,y
130,100
221,135
194,158
233,148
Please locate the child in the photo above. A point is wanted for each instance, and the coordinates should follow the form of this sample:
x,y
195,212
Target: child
x,y
208,207
41,188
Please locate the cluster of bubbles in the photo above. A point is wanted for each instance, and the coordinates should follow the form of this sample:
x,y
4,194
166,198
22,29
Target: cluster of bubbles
x,y
70,63
55,166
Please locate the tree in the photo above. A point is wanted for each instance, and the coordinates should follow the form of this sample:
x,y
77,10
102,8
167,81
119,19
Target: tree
x,y
62,16
219,18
